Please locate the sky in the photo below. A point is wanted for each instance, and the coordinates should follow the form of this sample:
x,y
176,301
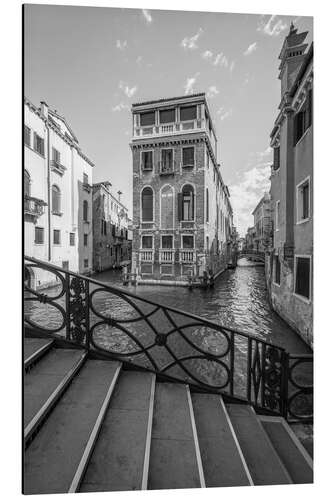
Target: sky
x,y
92,63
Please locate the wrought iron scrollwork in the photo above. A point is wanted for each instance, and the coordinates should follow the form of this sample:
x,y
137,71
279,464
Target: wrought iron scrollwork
x,y
168,341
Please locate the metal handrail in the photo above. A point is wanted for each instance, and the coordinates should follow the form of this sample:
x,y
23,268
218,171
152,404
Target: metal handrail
x,y
168,341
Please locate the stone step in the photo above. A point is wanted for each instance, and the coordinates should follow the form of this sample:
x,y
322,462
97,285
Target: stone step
x,y
262,460
56,458
222,459
124,440
291,452
175,460
44,385
34,350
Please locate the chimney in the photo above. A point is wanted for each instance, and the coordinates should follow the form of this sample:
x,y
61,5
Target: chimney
x,y
44,109
119,195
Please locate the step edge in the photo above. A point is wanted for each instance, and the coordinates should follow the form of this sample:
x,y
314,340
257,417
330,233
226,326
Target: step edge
x,y
37,354
52,399
145,472
292,436
78,476
238,446
273,447
196,440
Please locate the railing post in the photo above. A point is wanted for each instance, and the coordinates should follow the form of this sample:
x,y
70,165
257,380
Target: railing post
x,y
87,313
249,367
67,307
284,384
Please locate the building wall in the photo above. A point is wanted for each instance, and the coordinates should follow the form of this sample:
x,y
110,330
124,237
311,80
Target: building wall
x,y
69,180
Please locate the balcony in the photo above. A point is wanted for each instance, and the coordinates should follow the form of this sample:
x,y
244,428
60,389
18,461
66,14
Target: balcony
x,y
166,256
33,206
146,255
166,168
187,256
170,128
57,167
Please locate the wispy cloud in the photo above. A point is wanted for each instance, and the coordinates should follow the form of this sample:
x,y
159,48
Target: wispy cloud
x,y
121,45
128,91
189,85
147,15
213,91
251,48
190,42
247,192
139,60
120,107
272,26
215,59
231,67
223,113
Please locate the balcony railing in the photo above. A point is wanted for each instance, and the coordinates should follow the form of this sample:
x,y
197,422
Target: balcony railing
x,y
170,128
187,256
57,167
170,342
146,255
166,256
166,168
33,206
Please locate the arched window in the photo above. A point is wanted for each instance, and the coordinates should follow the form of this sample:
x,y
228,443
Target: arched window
x,y
186,203
27,182
207,205
56,199
85,210
147,199
167,207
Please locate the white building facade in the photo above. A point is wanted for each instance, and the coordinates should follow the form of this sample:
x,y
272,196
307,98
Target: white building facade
x,y
57,195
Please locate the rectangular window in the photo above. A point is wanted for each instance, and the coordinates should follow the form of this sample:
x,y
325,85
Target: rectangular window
x,y
302,276
276,161
86,262
277,270
39,235
72,239
38,144
303,119
113,230
303,201
85,240
167,116
188,113
147,160
188,157
167,241
103,226
27,136
55,156
56,236
167,160
147,118
277,215
187,241
147,241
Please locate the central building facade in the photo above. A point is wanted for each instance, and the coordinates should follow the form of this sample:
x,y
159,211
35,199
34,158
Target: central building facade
x,y
182,216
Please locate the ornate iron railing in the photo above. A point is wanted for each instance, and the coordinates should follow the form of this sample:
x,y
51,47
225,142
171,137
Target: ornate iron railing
x,y
172,343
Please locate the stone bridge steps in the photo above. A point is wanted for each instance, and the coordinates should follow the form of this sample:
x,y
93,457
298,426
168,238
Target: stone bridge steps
x,y
114,429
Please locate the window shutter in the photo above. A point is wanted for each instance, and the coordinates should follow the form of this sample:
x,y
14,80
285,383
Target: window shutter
x,y
309,108
180,206
193,205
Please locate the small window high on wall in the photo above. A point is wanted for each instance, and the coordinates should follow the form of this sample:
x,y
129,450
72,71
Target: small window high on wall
x,y
188,113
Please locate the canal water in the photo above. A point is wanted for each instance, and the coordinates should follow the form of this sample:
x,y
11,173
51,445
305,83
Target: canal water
x,y
238,300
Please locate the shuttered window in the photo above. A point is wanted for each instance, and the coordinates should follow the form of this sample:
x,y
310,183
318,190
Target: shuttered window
x,y
38,144
302,279
27,136
26,183
188,157
277,270
147,204
167,116
55,156
276,162
56,199
186,204
85,211
72,239
39,235
56,236
303,119
147,118
167,207
147,160
188,113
